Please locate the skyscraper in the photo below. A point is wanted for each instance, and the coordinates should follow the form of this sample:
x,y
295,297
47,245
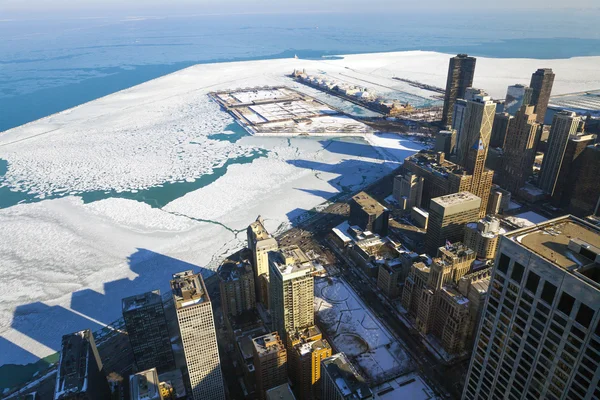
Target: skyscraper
x,y
541,83
261,243
197,329
516,97
477,124
568,175
481,185
460,76
307,350
448,216
149,337
539,333
445,141
80,372
270,361
502,122
519,149
585,196
564,124
483,237
292,290
369,214
236,284
408,191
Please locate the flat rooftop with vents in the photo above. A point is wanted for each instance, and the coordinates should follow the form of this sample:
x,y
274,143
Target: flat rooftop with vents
x,y
369,204
188,289
141,300
567,242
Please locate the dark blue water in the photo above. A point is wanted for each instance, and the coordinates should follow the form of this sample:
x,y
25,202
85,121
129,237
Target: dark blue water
x,y
49,66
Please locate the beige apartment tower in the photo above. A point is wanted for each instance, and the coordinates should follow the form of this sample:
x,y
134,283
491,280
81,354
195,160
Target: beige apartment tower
x,y
408,191
236,285
197,329
448,216
270,361
483,237
539,335
292,290
260,242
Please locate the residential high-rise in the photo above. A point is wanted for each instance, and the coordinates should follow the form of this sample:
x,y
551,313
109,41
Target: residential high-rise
x,y
389,277
145,385
448,216
443,177
477,124
307,349
260,242
445,141
408,191
270,362
341,381
516,97
502,122
461,71
568,175
369,214
539,333
292,290
236,284
80,372
564,124
585,195
441,301
541,83
483,237
198,335
519,149
147,330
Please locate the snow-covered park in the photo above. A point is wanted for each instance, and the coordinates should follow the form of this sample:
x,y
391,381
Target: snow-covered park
x,y
113,196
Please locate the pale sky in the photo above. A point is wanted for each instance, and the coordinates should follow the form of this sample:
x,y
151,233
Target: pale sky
x,y
174,7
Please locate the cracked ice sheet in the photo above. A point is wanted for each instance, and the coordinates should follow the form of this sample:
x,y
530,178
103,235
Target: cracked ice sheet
x,y
87,258
294,178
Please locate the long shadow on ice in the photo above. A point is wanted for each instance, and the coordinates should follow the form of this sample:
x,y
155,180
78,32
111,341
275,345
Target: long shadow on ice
x,y
90,309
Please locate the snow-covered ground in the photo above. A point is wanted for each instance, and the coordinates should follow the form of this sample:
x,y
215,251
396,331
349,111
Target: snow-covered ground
x,y
355,331
66,264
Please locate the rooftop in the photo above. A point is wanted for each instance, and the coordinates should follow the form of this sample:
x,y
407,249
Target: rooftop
x,y
567,242
291,260
428,160
145,385
269,343
147,299
232,271
369,204
456,199
455,295
188,289
345,376
258,227
281,392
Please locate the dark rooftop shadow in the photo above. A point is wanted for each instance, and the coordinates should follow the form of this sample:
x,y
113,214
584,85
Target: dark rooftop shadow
x,y
12,375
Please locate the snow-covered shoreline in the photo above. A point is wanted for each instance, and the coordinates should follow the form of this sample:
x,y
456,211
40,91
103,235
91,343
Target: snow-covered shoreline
x,y
66,265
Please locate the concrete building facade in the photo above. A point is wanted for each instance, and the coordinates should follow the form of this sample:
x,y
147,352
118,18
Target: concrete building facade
x,y
483,237
198,335
539,336
564,125
145,385
149,337
260,242
461,71
585,195
270,361
517,96
519,149
445,141
448,216
541,83
369,214
408,191
502,122
292,290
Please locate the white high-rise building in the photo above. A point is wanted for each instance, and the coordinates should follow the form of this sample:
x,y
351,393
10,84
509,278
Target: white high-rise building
x,y
539,335
197,329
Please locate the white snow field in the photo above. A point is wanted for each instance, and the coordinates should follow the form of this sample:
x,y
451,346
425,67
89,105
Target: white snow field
x,y
355,331
65,265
